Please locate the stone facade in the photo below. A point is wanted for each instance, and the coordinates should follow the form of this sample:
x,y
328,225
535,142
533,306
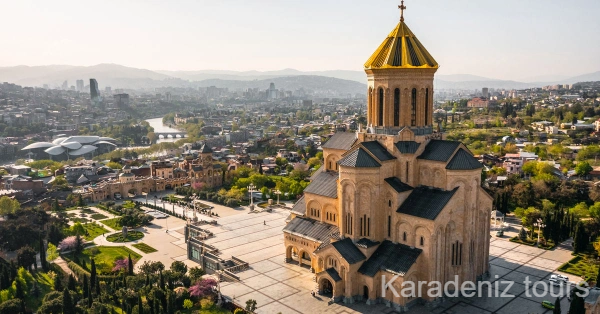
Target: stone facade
x,y
394,198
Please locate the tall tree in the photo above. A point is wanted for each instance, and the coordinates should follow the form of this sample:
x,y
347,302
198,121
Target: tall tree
x,y
58,283
577,305
130,265
85,286
43,254
72,285
92,273
140,305
580,241
557,307
68,306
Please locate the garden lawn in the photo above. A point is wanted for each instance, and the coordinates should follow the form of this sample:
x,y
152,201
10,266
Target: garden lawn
x,y
581,265
113,223
98,216
144,248
79,220
45,283
105,256
131,236
93,230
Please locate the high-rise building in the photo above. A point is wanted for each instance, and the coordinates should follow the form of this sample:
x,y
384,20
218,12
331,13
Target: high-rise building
x,y
65,85
485,92
94,91
80,85
121,100
108,89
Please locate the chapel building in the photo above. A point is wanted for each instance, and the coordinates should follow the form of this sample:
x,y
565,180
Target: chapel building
x,y
394,198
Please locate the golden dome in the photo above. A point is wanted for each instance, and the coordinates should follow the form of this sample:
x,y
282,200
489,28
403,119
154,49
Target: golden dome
x,y
401,50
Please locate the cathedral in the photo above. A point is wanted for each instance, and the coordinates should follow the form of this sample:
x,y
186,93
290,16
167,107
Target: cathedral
x,y
393,198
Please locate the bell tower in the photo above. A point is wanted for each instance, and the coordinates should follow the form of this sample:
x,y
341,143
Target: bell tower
x,y
400,82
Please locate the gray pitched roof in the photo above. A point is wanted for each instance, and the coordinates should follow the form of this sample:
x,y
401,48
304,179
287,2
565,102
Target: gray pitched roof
x,y
205,149
359,159
366,243
394,258
439,150
332,273
398,185
341,140
426,202
378,150
300,207
323,183
349,251
463,160
310,229
407,147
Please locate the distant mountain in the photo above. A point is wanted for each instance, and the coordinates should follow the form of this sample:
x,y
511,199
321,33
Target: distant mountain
x,y
462,78
585,78
357,76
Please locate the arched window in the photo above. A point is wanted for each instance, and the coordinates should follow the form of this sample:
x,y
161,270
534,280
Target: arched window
x,y
397,107
390,203
413,107
427,106
422,241
404,236
380,106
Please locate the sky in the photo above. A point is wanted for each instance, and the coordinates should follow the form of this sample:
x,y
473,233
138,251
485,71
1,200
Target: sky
x,y
509,39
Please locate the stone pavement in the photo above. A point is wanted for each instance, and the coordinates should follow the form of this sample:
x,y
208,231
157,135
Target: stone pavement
x,y
281,287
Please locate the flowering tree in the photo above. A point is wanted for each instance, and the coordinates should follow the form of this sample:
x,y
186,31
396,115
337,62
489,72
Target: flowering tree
x,y
203,287
198,186
68,243
121,264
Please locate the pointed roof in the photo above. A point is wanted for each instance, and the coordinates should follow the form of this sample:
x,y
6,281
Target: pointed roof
x,y
401,49
359,159
463,160
205,149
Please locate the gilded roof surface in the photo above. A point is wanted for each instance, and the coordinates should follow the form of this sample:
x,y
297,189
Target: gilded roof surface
x,y
401,49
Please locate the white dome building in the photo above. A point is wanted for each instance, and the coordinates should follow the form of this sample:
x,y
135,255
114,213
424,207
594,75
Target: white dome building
x,y
74,146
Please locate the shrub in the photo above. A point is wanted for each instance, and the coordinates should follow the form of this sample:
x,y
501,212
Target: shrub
x,y
188,304
206,304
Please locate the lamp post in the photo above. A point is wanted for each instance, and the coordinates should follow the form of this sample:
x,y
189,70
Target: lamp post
x,y
251,189
540,225
278,193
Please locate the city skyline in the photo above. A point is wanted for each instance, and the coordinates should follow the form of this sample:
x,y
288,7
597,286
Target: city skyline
x,y
536,40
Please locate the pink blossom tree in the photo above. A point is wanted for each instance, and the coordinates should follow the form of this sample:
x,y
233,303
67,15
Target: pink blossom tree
x,y
68,243
120,264
203,287
198,186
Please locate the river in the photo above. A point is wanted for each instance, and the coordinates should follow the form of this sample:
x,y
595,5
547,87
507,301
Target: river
x,y
159,127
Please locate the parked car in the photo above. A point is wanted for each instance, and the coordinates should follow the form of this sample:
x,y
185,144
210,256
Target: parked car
x,y
560,277
500,233
548,305
555,282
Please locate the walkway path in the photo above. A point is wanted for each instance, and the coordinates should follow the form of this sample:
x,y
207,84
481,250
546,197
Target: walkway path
x,y
63,265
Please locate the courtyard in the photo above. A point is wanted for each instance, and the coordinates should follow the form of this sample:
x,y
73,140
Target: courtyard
x,y
278,286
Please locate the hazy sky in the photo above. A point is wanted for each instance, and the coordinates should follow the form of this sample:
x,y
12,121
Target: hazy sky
x,y
508,39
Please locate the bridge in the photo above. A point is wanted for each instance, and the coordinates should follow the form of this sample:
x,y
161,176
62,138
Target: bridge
x,y
163,135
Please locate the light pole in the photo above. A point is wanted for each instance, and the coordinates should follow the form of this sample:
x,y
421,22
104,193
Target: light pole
x,y
278,193
540,225
251,189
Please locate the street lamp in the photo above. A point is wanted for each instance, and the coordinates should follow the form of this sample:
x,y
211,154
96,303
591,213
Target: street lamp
x,y
278,193
251,189
540,225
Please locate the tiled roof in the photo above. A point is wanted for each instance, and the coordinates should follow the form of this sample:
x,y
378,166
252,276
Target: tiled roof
x,y
439,150
378,150
407,147
366,243
310,229
341,140
394,258
323,183
359,159
205,149
349,251
463,160
398,185
426,202
300,207
332,273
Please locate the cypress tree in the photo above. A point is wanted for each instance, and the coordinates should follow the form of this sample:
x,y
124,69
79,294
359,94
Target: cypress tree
x,y
557,307
580,240
71,283
43,254
68,307
140,305
162,281
92,271
90,296
97,286
85,287
577,305
20,292
58,283
130,265
147,280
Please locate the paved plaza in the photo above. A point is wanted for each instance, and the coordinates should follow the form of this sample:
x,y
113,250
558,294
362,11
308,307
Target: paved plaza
x,y
281,287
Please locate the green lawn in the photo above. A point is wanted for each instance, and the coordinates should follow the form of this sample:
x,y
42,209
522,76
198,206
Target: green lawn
x,y
98,216
581,265
79,219
113,223
145,248
93,230
45,283
131,236
105,256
